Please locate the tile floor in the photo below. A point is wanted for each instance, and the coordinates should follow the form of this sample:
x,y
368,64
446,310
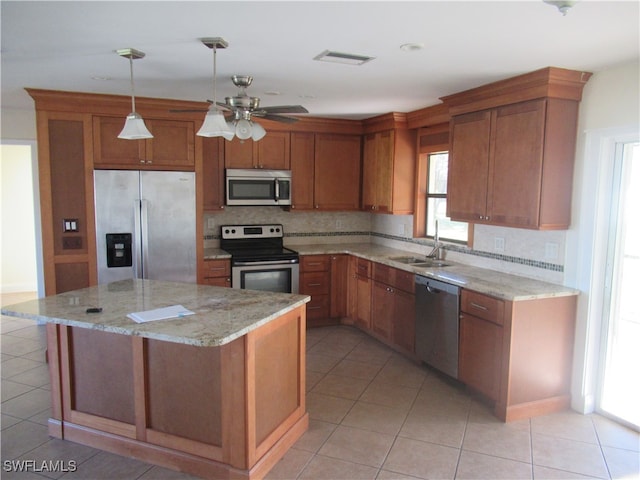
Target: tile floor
x,y
374,415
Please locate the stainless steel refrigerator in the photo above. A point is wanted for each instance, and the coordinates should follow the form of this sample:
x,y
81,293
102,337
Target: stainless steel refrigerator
x,y
145,225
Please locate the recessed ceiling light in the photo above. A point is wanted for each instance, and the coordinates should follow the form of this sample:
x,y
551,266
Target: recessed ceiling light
x,y
272,92
411,47
339,57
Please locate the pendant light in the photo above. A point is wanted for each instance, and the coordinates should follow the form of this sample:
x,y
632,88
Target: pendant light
x,y
214,124
134,127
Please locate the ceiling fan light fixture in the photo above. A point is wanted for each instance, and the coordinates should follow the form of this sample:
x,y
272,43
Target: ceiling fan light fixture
x,y
563,6
134,127
243,129
257,131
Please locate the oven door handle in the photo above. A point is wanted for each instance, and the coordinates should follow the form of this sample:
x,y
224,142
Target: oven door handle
x,y
266,262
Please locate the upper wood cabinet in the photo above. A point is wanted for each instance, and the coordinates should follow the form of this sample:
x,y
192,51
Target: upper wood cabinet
x,y
512,150
272,152
388,170
171,148
302,168
513,165
213,193
337,172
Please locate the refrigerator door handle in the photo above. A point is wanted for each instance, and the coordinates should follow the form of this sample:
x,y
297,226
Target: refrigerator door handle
x,y
144,233
137,240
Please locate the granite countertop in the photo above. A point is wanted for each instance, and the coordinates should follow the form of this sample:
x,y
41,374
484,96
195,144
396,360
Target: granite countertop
x,y
490,282
221,314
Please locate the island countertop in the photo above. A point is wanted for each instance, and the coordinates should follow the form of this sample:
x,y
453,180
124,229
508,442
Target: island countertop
x,y
220,314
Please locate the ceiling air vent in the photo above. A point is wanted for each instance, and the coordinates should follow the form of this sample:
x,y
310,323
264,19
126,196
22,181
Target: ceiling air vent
x,y
338,57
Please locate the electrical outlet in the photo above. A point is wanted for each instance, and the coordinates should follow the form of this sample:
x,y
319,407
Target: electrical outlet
x,y
339,224
498,244
211,223
551,250
408,231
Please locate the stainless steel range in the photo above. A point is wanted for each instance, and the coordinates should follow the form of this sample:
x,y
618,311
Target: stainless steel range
x,y
259,260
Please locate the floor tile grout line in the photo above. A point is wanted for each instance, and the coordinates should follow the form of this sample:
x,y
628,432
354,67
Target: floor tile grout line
x,y
604,457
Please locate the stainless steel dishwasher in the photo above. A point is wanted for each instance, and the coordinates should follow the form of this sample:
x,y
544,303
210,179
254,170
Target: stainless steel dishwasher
x,y
437,321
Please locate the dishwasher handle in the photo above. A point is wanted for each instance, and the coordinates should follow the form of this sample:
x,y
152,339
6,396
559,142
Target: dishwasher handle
x,y
430,289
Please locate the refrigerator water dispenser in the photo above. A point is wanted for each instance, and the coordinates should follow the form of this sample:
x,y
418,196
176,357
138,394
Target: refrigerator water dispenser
x,y
119,250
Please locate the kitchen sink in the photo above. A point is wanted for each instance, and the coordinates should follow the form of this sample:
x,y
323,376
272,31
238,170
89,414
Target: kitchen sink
x,y
420,262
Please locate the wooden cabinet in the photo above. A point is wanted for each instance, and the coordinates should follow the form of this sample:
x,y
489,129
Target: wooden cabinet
x,y
213,189
388,171
339,286
512,150
393,306
215,272
336,172
171,148
315,280
359,295
302,170
481,334
272,152
518,353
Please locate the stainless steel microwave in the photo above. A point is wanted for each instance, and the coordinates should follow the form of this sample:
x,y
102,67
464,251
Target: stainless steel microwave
x,y
258,187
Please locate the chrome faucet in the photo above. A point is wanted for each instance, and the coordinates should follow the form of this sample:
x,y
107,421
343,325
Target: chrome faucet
x,y
437,245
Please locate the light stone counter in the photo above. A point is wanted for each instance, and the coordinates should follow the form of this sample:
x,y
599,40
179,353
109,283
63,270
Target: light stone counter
x,y
496,284
221,314
216,254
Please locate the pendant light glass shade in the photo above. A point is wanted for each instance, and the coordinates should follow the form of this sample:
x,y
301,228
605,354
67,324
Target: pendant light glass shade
x,y
243,129
134,127
215,125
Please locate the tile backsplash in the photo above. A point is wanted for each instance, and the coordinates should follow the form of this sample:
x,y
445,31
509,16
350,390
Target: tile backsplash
x,y
528,253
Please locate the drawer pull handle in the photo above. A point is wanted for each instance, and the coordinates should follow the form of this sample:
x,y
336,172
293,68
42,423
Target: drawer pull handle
x,y
313,308
481,307
313,284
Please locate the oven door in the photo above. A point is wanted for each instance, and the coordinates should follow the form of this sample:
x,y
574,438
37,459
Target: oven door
x,y
271,276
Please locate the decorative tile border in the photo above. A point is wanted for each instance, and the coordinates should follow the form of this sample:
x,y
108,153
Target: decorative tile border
x,y
419,241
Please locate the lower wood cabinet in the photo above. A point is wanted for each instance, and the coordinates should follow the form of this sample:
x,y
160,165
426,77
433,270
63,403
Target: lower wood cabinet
x,y
215,272
359,293
393,306
315,280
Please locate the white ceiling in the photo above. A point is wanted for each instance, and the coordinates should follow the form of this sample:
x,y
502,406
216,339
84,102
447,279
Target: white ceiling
x,y
70,46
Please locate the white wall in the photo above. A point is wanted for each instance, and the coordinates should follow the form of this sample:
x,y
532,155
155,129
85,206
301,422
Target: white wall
x,y
18,241
610,112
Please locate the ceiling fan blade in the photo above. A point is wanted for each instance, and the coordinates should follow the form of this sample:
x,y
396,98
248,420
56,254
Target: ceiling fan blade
x,y
188,110
278,118
285,109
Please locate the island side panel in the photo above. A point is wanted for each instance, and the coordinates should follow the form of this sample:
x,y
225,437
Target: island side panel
x,y
276,387
55,380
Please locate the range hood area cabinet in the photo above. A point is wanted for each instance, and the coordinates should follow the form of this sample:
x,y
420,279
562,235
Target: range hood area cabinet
x,y
512,164
271,152
171,148
388,171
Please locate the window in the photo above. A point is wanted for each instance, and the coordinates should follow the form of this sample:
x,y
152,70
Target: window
x,y
436,201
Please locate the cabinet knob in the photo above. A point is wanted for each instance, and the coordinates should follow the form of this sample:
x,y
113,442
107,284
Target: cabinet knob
x,y
293,206
317,206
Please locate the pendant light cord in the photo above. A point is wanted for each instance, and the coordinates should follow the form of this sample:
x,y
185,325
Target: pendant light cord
x,y
133,96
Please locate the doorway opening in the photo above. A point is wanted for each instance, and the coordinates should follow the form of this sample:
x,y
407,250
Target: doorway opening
x,y
619,387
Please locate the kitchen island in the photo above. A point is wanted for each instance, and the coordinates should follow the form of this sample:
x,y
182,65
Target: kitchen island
x,y
219,393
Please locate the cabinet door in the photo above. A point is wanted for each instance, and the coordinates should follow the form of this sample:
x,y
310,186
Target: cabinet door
x,y
339,285
337,172
213,174
480,355
302,159
109,151
469,166
363,301
384,171
238,153
369,159
172,144
274,151
404,320
382,309
514,186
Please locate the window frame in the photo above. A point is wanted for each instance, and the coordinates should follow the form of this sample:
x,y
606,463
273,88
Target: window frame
x,y
430,140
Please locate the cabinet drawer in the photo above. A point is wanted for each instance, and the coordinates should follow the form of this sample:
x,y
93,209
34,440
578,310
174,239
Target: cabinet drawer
x,y
318,307
363,267
482,306
217,268
315,263
400,279
218,281
314,283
